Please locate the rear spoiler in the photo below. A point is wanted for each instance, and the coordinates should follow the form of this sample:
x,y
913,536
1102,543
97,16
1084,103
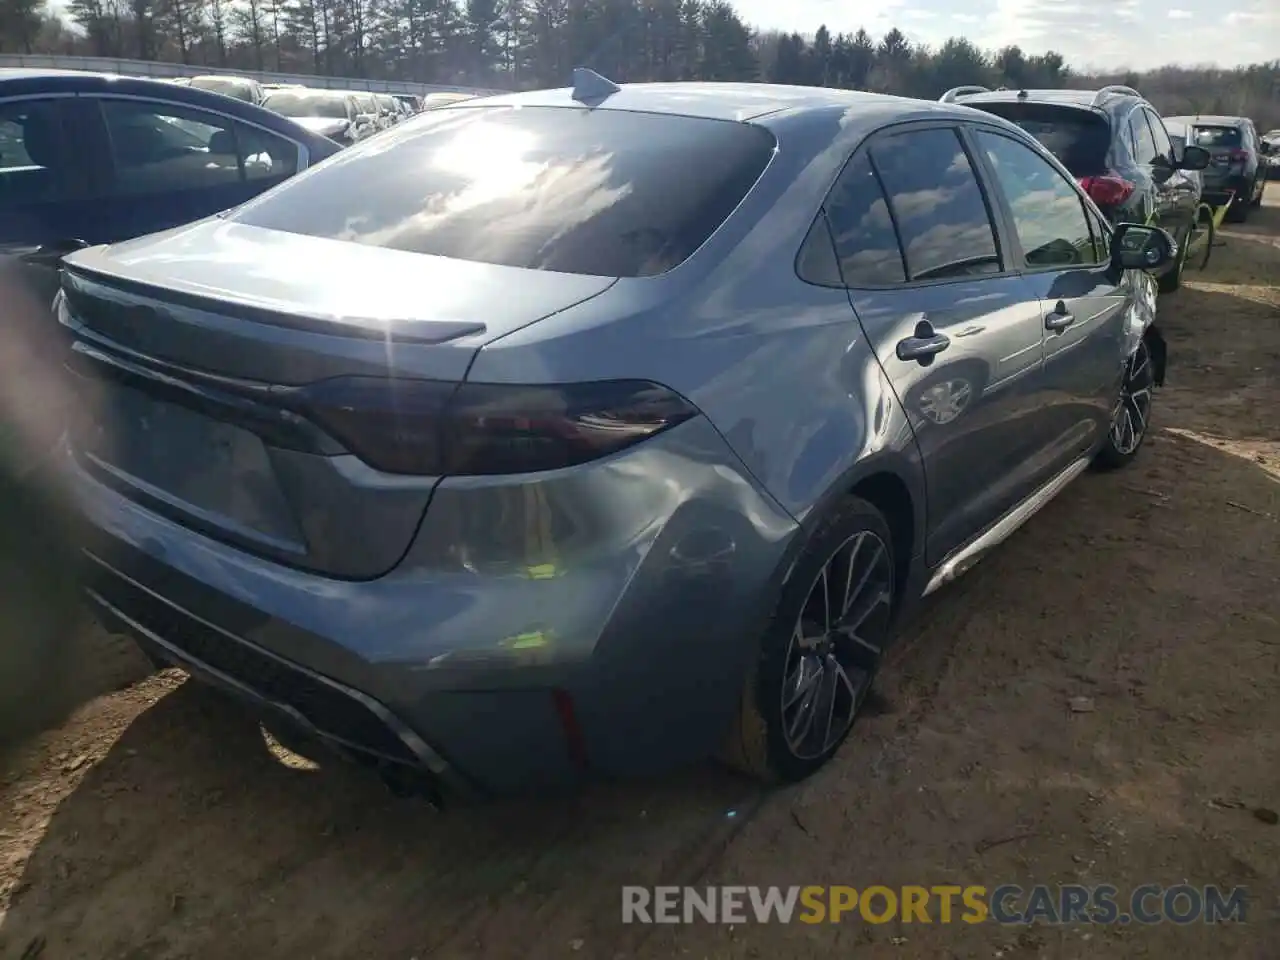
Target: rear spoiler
x,y
956,92
1115,89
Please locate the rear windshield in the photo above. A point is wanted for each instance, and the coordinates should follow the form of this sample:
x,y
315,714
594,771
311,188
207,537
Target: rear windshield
x,y
599,192
1079,139
306,105
1218,136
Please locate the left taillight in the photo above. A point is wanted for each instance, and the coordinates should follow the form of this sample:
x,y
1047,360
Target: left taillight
x,y
433,428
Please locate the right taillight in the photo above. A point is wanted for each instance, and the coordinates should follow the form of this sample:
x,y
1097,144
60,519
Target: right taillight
x,y
1107,190
431,428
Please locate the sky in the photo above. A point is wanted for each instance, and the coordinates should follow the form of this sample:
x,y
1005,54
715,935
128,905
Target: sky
x,y
1088,33
1104,34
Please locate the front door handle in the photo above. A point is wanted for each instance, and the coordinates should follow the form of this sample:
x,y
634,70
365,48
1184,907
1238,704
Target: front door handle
x,y
1060,319
51,254
923,345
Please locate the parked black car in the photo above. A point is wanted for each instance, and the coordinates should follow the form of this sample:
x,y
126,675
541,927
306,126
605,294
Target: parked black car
x,y
94,158
1115,144
1236,171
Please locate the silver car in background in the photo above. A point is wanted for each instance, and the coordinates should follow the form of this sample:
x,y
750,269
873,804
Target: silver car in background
x,y
598,430
331,114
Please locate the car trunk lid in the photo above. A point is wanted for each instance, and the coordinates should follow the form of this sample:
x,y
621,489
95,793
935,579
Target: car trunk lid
x,y
186,344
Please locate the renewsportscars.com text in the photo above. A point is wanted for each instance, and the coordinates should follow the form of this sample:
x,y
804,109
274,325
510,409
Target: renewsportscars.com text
x,y
1005,904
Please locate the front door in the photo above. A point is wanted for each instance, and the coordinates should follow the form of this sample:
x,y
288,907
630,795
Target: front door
x,y
957,334
1065,259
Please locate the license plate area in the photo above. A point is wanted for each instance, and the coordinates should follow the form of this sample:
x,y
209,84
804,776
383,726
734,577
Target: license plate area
x,y
217,473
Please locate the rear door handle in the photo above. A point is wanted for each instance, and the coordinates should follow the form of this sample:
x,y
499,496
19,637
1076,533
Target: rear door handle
x,y
1060,319
51,254
923,345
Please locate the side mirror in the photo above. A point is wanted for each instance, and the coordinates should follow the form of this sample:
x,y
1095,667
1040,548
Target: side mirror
x,y
1136,246
1194,158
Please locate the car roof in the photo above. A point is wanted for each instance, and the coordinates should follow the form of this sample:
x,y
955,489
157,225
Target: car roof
x,y
717,101
19,82
1211,119
1080,99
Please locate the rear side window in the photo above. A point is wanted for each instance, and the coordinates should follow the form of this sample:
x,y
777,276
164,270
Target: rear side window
x,y
34,163
602,192
937,205
1080,139
1208,137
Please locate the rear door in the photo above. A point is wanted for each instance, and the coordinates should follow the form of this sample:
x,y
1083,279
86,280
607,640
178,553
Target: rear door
x,y
1063,255
956,331
161,164
43,189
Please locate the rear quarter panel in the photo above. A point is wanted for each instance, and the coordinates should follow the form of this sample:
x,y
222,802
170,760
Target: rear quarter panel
x,y
780,367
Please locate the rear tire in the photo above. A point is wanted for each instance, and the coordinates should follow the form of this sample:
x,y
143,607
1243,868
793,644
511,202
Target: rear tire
x,y
1131,423
1257,201
821,649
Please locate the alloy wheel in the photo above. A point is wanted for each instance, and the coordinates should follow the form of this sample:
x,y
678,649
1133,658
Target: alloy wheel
x,y
1130,423
836,644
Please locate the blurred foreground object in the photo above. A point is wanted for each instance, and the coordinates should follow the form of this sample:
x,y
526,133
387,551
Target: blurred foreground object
x,y
39,604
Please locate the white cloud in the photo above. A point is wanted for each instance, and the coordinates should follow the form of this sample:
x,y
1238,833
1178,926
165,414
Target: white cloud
x,y
1103,34
1087,34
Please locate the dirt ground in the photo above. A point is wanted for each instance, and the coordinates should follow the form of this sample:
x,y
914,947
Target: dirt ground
x,y
153,823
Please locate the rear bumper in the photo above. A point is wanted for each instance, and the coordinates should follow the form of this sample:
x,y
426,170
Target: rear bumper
x,y
351,723
1233,189
598,620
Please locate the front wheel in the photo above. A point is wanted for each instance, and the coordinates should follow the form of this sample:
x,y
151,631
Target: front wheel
x,y
1132,416
821,649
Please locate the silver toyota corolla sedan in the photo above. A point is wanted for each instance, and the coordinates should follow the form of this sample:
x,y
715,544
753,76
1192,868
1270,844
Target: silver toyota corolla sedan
x,y
596,430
